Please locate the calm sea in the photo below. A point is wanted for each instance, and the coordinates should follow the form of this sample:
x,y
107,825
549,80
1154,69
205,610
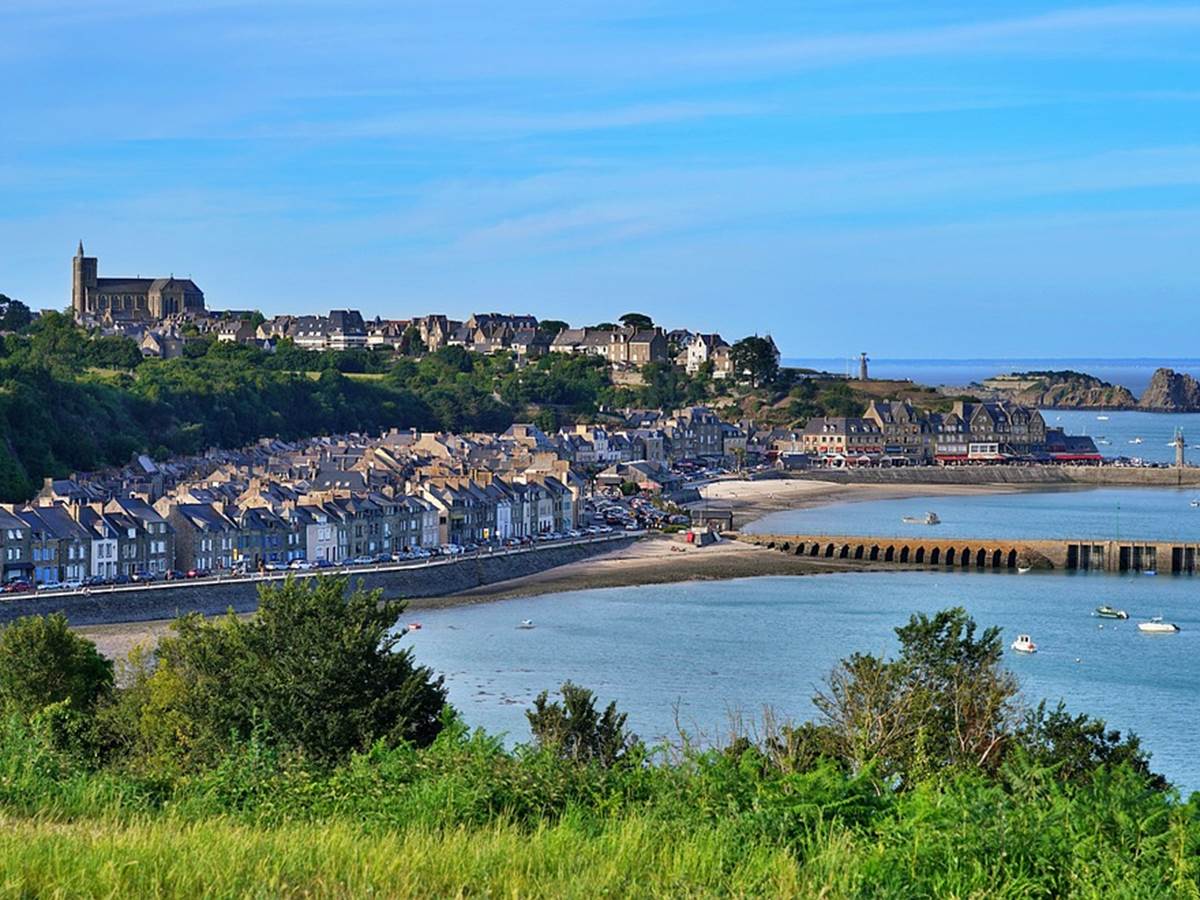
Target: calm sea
x,y
699,653
1087,513
1132,373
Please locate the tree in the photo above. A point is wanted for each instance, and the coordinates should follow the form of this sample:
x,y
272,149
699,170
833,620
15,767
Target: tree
x,y
945,702
755,359
552,326
316,671
636,320
43,662
410,342
572,729
14,315
1077,746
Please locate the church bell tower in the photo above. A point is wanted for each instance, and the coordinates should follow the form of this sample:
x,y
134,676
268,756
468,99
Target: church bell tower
x,y
83,279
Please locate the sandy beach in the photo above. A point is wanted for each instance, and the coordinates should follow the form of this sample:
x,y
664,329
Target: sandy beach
x,y
752,500
656,559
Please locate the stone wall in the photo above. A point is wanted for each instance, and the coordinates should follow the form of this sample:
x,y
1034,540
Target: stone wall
x,y
166,601
1116,476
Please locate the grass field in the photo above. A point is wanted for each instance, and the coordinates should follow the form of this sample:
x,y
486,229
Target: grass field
x,y
220,858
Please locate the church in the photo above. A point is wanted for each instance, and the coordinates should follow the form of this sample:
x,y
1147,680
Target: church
x,y
129,299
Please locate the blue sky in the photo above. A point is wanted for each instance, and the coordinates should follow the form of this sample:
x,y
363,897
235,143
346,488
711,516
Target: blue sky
x,y
949,179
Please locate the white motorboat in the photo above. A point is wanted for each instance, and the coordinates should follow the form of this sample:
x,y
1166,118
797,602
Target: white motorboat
x,y
1024,644
1104,442
1101,418
1023,570
1158,626
526,624
1195,504
1136,440
930,518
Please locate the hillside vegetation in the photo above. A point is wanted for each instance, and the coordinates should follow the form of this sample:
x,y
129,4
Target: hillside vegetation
x,y
70,401
303,753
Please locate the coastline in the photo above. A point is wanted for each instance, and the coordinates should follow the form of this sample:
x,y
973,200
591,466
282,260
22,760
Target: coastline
x,y
655,559
751,500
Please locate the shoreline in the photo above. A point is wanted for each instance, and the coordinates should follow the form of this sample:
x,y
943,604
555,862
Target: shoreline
x,y
752,500
655,559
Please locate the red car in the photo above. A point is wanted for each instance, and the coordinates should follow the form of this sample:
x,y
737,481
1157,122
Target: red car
x,y
17,587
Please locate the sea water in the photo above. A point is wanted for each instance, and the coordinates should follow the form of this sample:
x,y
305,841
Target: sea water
x,y
1152,514
700,654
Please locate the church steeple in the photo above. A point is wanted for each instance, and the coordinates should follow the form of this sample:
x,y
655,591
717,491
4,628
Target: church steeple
x,y
79,254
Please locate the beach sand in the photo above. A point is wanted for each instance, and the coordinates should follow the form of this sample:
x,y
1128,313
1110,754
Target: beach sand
x,y
752,500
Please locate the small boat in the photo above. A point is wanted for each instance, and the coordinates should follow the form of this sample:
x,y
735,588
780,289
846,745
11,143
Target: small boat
x,y
1023,570
526,624
1023,644
1158,626
1150,572
1109,612
930,518
1136,440
414,626
1104,442
1195,504
1101,418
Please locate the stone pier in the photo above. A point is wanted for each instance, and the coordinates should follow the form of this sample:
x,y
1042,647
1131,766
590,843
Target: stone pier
x,y
990,553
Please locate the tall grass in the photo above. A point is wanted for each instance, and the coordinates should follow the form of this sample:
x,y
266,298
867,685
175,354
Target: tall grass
x,y
468,816
168,857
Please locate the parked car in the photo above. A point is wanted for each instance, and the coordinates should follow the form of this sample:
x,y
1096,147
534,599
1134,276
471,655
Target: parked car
x,y
323,564
50,586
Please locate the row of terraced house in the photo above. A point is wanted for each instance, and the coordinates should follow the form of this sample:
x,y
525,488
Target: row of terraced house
x,y
895,433
325,499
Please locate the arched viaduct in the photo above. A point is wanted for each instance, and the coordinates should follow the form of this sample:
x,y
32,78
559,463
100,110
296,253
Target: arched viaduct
x,y
987,553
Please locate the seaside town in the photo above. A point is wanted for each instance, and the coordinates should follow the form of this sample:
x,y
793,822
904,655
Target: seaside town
x,y
357,499
599,450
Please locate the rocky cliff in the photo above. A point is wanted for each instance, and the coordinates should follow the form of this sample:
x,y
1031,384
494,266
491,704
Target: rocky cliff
x,y
1065,390
1171,391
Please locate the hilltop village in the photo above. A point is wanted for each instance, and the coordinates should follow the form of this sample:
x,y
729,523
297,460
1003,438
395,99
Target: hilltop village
x,y
581,465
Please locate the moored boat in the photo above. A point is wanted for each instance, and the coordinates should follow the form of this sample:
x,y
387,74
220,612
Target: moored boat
x,y
526,624
1158,626
1024,570
1109,612
1024,644
930,518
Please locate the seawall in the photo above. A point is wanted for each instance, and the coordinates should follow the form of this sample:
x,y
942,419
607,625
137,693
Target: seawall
x,y
1113,476
980,554
166,601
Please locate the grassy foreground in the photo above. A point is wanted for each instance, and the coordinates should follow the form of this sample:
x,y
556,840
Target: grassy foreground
x,y
218,857
303,753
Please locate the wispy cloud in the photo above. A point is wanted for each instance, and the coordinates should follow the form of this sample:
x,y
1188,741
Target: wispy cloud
x,y
1008,34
